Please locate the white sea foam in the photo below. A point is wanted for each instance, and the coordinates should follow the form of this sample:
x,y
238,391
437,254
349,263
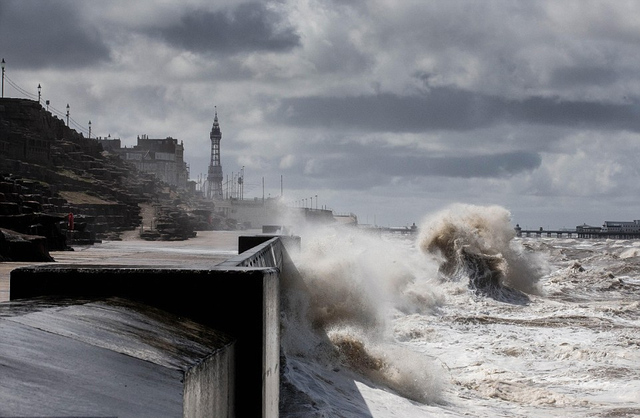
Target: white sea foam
x,y
379,329
354,282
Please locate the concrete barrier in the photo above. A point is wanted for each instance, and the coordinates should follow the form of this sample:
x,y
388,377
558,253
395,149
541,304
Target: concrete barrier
x,y
239,297
263,251
111,357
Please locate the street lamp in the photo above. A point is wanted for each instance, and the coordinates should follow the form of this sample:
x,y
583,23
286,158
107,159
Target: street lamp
x,y
39,91
2,77
242,185
67,114
89,129
316,202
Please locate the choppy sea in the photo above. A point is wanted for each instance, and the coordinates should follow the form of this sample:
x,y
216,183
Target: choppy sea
x,y
461,319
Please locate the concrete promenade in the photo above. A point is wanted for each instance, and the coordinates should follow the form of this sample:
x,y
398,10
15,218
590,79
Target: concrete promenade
x,y
159,329
206,249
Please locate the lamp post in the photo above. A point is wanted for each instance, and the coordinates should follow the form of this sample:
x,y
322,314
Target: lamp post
x,y
39,91
67,114
2,77
316,202
89,129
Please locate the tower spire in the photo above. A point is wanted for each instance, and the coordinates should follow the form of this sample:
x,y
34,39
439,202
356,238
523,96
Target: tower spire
x,y
214,177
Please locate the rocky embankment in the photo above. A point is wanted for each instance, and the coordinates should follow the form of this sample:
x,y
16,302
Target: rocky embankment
x,y
57,184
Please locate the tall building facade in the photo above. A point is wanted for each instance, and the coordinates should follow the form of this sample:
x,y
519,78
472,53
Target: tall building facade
x,y
214,176
162,157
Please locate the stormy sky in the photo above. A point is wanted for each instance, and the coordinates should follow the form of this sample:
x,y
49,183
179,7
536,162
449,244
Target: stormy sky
x,y
388,109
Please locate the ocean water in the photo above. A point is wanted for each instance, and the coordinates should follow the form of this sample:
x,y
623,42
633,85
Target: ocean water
x,y
462,319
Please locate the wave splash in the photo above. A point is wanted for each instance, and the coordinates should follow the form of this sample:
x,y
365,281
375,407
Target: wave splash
x,y
340,317
476,243
338,322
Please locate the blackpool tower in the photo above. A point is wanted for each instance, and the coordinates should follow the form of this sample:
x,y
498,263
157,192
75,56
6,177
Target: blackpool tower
x,y
214,177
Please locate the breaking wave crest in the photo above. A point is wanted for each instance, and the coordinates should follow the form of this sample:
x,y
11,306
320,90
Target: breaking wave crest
x,y
340,317
476,243
352,284
427,325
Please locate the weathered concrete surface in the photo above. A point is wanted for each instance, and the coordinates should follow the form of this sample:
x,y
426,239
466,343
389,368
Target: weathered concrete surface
x,y
110,358
237,301
243,302
207,248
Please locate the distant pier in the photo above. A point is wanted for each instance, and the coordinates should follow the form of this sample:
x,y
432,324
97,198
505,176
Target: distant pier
x,y
580,232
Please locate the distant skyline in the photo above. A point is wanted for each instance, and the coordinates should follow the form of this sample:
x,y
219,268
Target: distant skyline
x,y
391,110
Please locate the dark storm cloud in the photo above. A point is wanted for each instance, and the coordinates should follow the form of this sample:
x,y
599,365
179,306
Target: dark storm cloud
x,y
371,162
583,76
247,27
547,111
38,34
361,171
494,165
448,108
440,109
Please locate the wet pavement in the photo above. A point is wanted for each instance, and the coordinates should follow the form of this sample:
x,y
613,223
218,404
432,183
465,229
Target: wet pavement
x,y
207,248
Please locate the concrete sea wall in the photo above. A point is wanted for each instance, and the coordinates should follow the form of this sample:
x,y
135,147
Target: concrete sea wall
x,y
239,298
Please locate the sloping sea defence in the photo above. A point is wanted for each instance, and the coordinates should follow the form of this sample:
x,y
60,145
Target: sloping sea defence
x,y
205,283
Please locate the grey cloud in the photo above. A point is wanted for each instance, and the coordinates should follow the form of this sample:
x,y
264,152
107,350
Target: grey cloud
x,y
351,164
549,111
440,109
583,76
452,109
38,34
399,164
495,165
247,27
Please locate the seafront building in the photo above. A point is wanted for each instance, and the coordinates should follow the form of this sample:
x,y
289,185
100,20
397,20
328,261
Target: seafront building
x,y
162,157
611,227
621,226
588,229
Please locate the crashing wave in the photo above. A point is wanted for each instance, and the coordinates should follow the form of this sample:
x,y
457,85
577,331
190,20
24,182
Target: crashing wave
x,y
477,244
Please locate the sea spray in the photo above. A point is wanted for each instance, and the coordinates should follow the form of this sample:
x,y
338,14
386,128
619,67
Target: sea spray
x,y
495,358
355,278
476,243
353,282
397,368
